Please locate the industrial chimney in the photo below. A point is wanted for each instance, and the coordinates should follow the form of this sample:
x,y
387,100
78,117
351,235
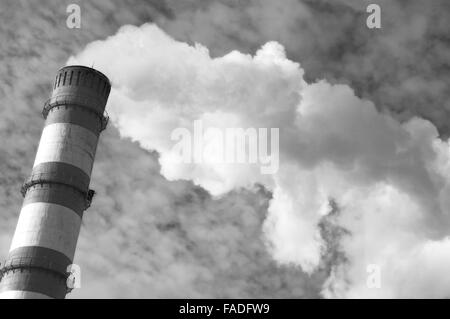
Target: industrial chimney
x,y
57,192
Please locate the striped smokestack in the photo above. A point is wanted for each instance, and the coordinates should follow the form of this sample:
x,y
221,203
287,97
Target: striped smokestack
x,y
57,191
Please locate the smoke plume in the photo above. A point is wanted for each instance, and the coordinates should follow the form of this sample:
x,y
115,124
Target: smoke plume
x,y
388,180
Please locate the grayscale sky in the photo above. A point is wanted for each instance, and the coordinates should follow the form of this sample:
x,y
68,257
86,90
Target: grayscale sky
x,y
364,159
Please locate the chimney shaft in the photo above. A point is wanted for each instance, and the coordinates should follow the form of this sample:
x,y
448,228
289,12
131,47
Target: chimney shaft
x,y
57,191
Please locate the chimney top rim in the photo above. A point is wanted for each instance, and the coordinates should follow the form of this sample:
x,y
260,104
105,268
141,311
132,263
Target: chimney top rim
x,y
87,68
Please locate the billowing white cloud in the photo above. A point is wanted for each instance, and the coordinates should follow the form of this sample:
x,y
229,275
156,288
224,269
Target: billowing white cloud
x,y
389,180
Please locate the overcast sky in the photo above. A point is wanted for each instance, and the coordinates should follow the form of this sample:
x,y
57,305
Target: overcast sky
x,y
364,161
